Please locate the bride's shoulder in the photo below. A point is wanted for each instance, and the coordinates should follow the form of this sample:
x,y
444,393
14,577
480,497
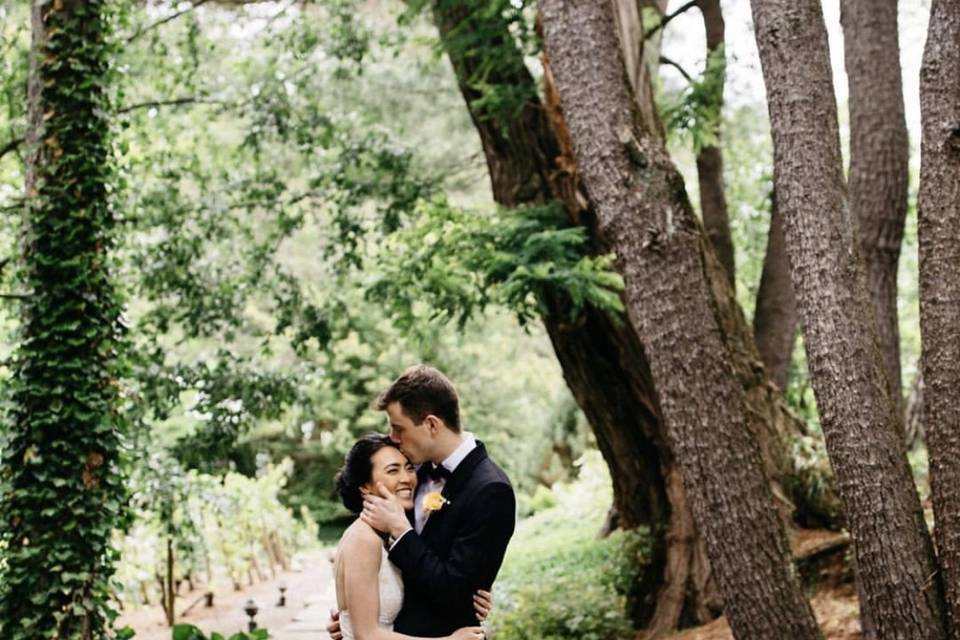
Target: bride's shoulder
x,y
360,537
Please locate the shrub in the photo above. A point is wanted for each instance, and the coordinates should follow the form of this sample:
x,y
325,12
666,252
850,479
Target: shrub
x,y
559,581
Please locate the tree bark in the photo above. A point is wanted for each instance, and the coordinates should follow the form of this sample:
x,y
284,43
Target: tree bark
x,y
862,428
643,212
879,155
713,200
940,283
775,315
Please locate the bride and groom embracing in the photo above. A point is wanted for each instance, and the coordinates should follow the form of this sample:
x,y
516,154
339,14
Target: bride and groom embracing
x,y
430,539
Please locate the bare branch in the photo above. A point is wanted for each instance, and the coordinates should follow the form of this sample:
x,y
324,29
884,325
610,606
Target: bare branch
x,y
666,20
676,65
174,102
163,21
15,296
11,146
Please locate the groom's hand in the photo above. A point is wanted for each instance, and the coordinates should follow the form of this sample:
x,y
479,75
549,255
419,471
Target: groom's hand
x,y
384,512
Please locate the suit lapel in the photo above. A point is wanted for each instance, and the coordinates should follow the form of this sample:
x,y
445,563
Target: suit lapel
x,y
457,481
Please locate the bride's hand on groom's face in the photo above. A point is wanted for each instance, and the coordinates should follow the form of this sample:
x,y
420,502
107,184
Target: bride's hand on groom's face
x,y
384,512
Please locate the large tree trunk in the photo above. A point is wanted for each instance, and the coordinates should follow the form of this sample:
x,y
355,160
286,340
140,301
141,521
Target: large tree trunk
x,y
775,316
62,494
603,361
940,283
713,200
879,154
643,212
862,428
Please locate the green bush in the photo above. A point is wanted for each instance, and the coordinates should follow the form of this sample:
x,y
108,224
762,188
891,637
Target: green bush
x,y
559,581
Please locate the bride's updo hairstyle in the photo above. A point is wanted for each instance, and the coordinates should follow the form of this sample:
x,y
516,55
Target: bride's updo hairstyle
x,y
358,469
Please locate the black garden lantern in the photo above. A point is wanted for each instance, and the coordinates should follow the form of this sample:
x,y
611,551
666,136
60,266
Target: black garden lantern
x,y
250,608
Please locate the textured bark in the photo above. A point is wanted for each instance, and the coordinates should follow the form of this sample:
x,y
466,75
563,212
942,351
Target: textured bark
x,y
643,212
863,430
940,283
775,316
879,155
713,200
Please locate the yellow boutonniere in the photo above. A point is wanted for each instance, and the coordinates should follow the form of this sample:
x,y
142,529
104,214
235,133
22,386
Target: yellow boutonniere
x,y
434,501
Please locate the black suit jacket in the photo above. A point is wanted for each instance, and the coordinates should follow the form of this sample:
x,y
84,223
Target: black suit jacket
x,y
459,550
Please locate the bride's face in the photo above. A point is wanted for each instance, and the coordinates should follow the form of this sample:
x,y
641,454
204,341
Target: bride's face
x,y
395,472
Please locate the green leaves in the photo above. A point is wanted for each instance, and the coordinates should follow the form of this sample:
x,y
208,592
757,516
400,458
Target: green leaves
x,y
190,632
62,491
695,112
452,263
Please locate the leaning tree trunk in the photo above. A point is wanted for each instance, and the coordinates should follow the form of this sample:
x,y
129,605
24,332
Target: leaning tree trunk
x,y
862,428
713,199
643,212
879,154
62,491
940,283
775,315
603,361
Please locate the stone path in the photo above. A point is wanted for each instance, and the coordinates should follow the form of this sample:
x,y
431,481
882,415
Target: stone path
x,y
311,622
310,595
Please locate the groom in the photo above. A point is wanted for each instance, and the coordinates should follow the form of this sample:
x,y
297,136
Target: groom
x,y
454,540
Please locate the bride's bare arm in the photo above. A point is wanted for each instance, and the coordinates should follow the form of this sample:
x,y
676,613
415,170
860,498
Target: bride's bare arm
x,y
361,557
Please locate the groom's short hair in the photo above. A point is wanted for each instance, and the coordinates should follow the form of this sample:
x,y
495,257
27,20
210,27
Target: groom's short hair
x,y
422,391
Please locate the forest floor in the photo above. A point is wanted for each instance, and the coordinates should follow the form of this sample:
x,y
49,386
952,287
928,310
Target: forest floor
x,y
309,599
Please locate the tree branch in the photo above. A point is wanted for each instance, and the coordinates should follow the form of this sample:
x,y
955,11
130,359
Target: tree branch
x,y
676,65
666,20
11,146
174,102
15,296
163,21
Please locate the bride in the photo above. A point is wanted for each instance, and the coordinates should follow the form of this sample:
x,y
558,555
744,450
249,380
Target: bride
x,y
369,586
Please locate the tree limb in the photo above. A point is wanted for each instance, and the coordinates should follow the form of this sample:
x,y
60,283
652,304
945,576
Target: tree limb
x,y
168,103
667,19
11,146
163,21
676,65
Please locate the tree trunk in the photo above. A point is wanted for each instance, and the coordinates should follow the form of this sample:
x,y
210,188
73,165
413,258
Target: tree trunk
x,y
862,428
775,316
643,212
713,200
879,155
63,493
940,283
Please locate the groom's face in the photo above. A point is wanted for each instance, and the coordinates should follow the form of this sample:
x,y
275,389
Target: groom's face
x,y
414,440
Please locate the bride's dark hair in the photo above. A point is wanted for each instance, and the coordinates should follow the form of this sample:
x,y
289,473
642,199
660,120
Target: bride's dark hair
x,y
357,469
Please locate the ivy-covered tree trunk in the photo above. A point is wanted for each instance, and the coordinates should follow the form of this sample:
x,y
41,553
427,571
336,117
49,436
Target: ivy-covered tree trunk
x,y
939,218
62,491
879,155
643,212
863,430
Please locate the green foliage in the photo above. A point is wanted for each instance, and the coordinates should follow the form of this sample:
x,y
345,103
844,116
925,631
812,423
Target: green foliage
x,y
556,554
63,491
190,632
220,525
694,113
456,263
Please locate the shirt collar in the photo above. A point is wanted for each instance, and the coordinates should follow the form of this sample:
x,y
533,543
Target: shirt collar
x,y
454,459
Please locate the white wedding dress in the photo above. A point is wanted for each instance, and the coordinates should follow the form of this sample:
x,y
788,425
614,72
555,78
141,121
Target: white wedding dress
x,y
391,598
